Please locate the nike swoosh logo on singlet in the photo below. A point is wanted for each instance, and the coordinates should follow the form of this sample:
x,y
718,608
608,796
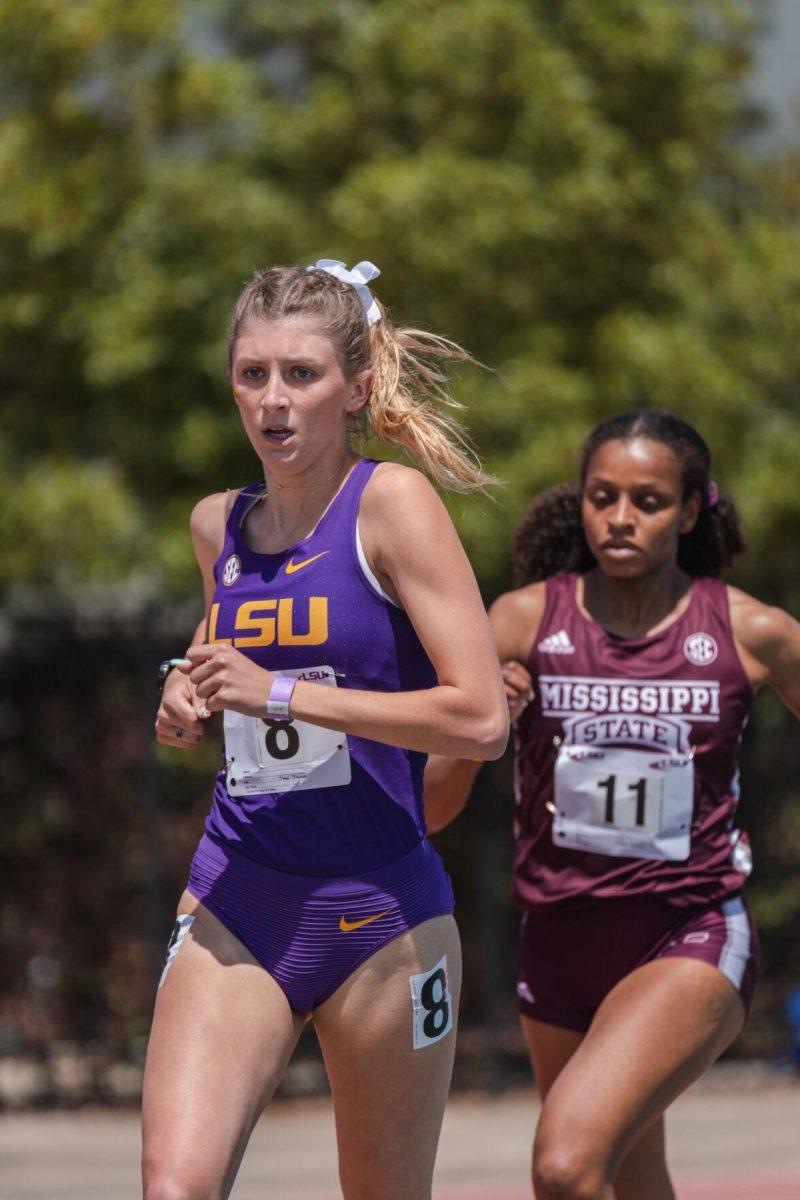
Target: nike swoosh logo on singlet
x,y
292,566
346,925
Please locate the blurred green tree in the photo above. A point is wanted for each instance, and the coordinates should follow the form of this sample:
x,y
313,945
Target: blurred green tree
x,y
564,187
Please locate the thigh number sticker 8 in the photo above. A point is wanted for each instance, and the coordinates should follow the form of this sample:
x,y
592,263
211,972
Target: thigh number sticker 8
x,y
432,1006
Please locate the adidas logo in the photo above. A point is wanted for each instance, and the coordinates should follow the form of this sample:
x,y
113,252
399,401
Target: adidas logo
x,y
557,643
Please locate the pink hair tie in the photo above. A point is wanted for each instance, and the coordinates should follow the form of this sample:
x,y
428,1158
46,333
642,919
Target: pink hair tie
x,y
712,495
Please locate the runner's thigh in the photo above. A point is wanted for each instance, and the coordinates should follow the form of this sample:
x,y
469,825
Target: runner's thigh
x,y
222,1035
643,1174
389,1096
550,1048
654,1034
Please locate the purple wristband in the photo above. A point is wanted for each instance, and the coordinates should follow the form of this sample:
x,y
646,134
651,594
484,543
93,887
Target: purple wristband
x,y
280,695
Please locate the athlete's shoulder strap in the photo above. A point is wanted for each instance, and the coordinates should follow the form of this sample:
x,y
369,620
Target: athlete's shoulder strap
x,y
560,591
359,478
346,504
559,602
248,496
710,596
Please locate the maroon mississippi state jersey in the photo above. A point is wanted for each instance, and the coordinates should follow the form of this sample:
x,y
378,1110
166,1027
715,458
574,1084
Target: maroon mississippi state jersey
x,y
626,759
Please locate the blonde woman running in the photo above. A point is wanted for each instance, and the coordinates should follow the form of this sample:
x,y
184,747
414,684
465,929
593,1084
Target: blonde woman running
x,y
344,640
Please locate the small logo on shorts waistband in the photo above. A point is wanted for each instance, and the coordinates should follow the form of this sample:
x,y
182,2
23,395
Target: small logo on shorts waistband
x,y
346,926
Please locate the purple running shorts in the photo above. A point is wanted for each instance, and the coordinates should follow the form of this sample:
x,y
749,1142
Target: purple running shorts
x,y
311,933
570,959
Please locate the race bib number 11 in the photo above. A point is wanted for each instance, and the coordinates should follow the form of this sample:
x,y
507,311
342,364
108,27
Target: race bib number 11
x,y
625,803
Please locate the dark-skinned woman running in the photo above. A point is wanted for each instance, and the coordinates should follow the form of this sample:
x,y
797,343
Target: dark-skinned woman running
x,y
630,668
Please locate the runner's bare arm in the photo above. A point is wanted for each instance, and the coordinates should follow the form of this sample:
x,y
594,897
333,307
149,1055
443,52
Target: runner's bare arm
x,y
514,618
768,641
180,708
409,541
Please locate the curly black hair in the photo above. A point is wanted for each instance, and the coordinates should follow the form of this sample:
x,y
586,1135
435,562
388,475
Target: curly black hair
x,y
550,538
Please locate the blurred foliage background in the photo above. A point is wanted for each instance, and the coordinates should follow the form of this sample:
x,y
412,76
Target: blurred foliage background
x,y
571,189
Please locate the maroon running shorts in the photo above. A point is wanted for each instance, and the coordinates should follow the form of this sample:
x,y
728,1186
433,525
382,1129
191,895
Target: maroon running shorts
x,y
570,959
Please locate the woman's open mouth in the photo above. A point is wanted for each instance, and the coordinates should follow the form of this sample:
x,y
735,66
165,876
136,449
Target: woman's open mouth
x,y
277,434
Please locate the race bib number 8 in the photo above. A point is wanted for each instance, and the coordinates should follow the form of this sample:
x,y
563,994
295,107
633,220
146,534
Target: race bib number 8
x,y
265,755
625,803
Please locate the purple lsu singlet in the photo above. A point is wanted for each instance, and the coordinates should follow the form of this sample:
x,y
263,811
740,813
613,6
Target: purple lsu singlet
x,y
296,798
626,759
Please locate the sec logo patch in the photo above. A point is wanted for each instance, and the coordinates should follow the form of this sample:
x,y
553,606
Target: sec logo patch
x,y
232,570
700,649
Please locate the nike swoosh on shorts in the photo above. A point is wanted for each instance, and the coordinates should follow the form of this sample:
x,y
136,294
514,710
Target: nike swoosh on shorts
x,y
346,925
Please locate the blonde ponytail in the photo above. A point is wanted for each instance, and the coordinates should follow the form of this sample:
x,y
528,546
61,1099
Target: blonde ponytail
x,y
408,386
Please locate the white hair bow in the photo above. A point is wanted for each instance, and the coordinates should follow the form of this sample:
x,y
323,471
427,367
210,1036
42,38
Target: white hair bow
x,y
358,278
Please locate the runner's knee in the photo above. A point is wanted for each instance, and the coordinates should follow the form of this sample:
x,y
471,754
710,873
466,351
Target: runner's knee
x,y
562,1170
169,1185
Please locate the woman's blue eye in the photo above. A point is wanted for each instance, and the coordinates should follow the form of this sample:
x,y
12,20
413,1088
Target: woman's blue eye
x,y
252,372
303,373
